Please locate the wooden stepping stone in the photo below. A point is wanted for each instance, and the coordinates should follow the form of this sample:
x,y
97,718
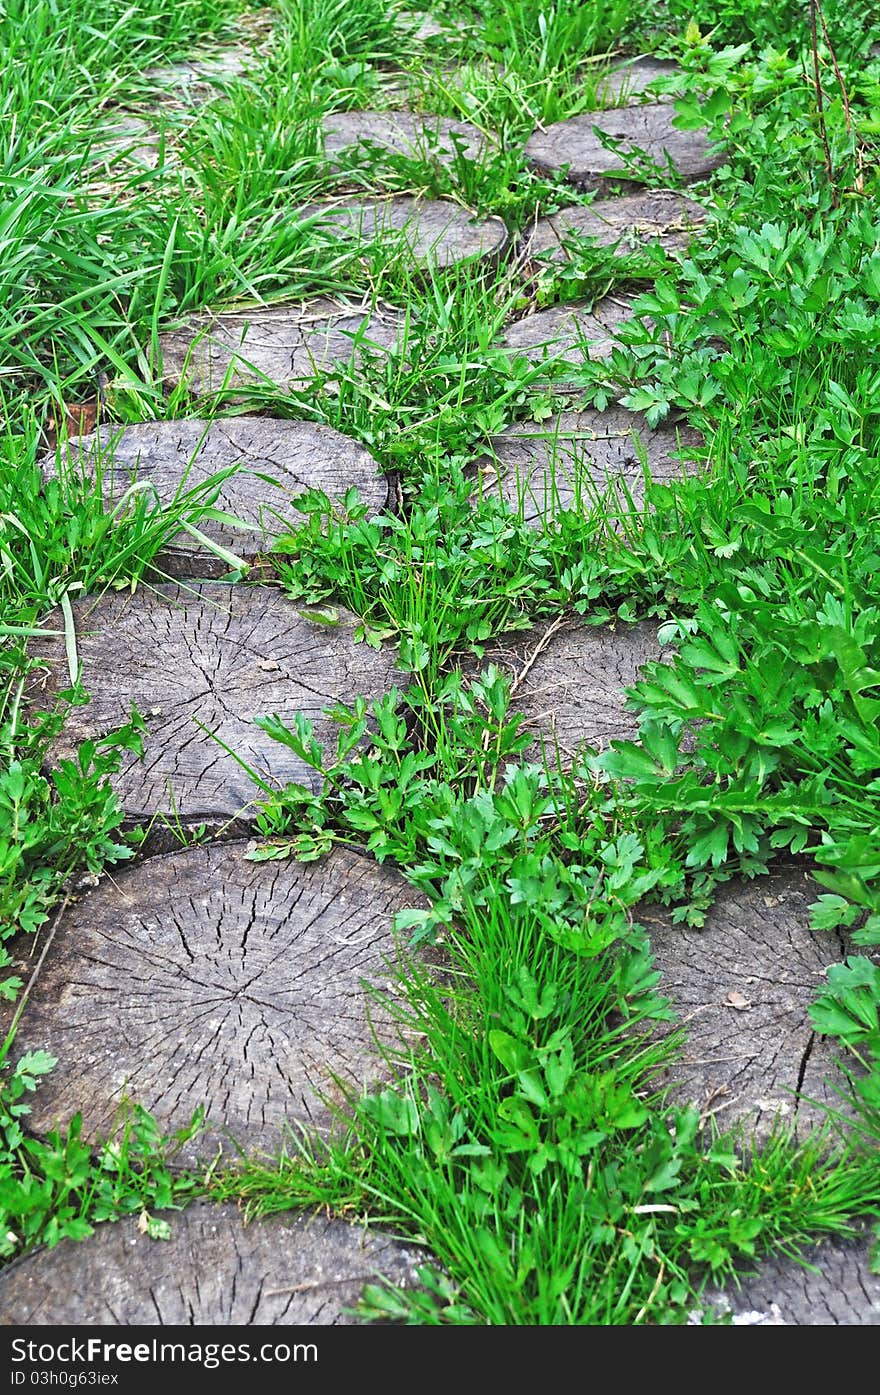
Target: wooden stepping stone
x,y
197,77
128,139
213,1271
625,224
569,681
581,458
631,78
436,232
211,654
200,978
278,460
282,346
422,26
579,147
432,138
781,1293
741,987
570,332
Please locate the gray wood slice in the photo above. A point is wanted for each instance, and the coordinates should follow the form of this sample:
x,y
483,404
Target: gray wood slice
x,y
578,459
213,1271
277,461
625,224
436,232
198,78
211,654
783,1293
579,147
435,139
573,691
741,987
570,332
630,79
278,347
128,139
422,26
202,979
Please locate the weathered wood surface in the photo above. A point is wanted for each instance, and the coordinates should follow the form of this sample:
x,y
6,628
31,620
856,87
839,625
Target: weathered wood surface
x,y
626,224
213,1271
424,26
277,461
581,459
741,987
285,346
435,139
200,78
570,332
211,654
124,139
782,1293
629,79
580,146
570,680
435,232
203,979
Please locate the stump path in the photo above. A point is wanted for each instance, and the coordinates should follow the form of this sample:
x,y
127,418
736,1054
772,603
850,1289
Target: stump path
x,y
200,977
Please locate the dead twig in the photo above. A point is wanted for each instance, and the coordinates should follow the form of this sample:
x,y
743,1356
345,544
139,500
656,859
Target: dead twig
x,y
22,1002
820,102
847,113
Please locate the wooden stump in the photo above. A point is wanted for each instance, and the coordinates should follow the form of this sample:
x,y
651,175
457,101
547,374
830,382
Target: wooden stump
x,y
127,139
213,1271
626,225
844,1293
279,347
435,232
199,78
630,79
581,459
433,139
741,987
569,332
210,654
580,146
277,461
570,680
423,26
202,979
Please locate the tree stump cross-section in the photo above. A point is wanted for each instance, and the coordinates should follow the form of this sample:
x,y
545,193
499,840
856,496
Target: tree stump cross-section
x,y
570,679
582,459
129,140
626,224
213,1271
628,79
839,1290
605,147
278,346
741,986
433,232
428,139
199,78
276,460
569,332
201,662
202,979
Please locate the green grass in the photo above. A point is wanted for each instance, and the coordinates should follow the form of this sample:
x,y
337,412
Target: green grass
x,y
526,1141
